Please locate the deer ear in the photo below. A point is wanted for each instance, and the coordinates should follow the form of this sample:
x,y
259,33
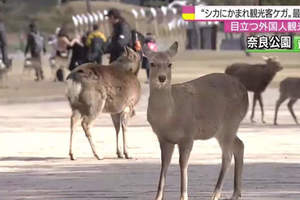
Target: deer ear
x,y
125,53
131,53
172,51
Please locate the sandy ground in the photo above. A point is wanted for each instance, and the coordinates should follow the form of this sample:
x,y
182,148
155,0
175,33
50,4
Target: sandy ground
x,y
34,139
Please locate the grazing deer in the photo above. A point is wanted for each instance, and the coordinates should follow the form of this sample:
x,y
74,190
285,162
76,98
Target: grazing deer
x,y
115,89
255,77
289,88
207,107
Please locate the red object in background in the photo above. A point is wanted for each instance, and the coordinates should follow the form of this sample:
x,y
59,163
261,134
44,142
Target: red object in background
x,y
152,46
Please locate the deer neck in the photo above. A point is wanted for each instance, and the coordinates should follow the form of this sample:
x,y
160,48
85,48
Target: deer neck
x,y
161,105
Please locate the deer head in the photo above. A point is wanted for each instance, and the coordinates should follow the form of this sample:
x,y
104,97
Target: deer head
x,y
273,63
160,66
129,61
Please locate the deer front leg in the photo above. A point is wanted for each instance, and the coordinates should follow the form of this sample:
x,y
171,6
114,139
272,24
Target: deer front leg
x,y
185,149
290,107
260,101
238,152
226,159
116,118
253,107
166,155
281,99
74,119
124,120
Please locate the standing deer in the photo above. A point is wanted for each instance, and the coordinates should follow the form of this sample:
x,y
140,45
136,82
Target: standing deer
x,y
114,89
289,88
255,77
207,107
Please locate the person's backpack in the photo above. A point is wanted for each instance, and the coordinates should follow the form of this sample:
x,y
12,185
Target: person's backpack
x,y
38,42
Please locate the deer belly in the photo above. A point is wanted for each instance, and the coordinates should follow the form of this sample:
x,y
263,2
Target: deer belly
x,y
206,131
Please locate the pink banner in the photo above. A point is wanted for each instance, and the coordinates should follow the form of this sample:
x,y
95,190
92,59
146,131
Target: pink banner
x,y
262,26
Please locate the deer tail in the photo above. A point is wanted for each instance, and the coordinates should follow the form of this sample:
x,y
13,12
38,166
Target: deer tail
x,y
74,88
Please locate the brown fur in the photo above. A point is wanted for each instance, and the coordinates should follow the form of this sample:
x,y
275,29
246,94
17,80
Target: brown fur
x,y
113,89
255,77
289,88
211,106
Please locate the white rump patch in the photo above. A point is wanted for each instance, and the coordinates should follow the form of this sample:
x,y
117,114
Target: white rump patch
x,y
127,109
73,90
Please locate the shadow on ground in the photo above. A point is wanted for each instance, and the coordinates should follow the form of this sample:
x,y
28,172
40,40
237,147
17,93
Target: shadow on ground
x,y
85,179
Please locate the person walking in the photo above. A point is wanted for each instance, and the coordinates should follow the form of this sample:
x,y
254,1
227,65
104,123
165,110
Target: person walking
x,y
121,34
35,45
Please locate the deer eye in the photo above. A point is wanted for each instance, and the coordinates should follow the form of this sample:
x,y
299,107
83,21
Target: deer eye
x,y
170,65
152,64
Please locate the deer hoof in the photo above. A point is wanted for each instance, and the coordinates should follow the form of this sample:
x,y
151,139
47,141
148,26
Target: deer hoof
x,y
127,156
120,155
98,157
253,121
263,121
72,157
235,196
216,196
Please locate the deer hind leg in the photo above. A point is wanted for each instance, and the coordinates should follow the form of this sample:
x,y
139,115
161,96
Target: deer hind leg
x,y
253,107
238,152
93,112
166,155
281,99
116,118
124,120
86,123
290,106
226,145
260,101
184,152
74,119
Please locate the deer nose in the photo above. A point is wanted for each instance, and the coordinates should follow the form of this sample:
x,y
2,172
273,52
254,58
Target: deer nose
x,y
162,78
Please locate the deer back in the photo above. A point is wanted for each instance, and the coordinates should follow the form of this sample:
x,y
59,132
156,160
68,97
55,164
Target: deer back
x,y
120,88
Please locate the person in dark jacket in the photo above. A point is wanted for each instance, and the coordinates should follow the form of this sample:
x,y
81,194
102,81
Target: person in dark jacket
x,y
79,53
3,43
35,45
152,46
121,35
96,44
